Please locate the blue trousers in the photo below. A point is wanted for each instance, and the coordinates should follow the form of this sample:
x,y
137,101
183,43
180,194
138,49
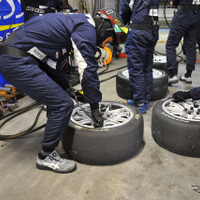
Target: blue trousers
x,y
25,74
184,24
139,50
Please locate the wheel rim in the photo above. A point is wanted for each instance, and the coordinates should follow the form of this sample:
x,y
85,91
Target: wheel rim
x,y
186,110
156,73
159,59
114,114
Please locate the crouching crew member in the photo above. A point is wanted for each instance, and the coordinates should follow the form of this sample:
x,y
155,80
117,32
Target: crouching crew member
x,y
43,41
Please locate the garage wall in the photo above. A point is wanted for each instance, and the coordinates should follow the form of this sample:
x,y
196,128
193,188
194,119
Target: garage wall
x,y
96,4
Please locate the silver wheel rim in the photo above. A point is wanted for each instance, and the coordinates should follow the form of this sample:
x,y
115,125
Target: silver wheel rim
x,y
156,73
114,114
159,59
186,110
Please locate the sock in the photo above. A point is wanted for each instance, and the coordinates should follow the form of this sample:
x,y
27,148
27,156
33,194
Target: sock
x,y
172,72
188,73
45,152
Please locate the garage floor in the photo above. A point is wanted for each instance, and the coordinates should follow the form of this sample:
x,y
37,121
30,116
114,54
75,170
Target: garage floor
x,y
154,174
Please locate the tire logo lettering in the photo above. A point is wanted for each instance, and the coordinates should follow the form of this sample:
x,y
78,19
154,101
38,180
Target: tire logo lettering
x,y
94,129
33,9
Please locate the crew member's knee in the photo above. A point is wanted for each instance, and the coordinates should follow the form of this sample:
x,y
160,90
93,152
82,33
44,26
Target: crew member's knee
x,y
68,105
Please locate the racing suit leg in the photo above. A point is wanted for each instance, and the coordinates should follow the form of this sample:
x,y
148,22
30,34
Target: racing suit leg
x,y
139,50
148,73
25,74
198,37
136,54
190,47
177,31
58,75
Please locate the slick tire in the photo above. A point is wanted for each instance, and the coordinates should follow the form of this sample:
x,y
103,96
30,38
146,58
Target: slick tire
x,y
159,88
174,132
115,142
160,62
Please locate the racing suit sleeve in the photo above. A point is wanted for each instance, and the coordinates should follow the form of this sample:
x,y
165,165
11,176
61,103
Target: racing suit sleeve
x,y
195,93
153,10
126,10
84,45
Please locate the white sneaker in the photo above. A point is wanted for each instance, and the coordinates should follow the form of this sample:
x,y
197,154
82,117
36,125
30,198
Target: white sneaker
x,y
186,79
172,80
55,163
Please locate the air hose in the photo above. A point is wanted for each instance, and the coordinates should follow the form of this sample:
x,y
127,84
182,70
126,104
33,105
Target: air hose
x,y
17,113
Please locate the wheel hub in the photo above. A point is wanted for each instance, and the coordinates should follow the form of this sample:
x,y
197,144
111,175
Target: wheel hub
x,y
188,109
114,115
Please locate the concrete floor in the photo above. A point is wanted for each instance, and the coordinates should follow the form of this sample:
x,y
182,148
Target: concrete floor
x,y
154,174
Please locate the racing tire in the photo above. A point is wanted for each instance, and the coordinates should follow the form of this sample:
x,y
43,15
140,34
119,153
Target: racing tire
x,y
159,87
160,62
110,144
175,132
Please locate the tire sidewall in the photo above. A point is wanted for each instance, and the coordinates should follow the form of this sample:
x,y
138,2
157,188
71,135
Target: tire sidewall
x,y
103,146
125,90
175,134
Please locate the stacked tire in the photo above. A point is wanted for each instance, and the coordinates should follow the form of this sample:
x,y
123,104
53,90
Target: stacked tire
x,y
159,88
160,62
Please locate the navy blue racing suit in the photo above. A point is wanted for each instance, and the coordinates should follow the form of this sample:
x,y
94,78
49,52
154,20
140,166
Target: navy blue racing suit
x,y
53,34
184,24
33,8
195,93
198,37
140,45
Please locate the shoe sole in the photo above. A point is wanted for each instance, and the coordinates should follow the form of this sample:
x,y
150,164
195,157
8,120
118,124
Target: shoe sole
x,y
189,82
173,82
70,170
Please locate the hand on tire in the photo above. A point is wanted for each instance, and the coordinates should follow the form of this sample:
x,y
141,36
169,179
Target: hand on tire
x,y
98,118
181,96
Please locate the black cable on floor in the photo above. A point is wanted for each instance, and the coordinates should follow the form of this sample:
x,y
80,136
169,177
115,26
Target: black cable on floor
x,y
29,130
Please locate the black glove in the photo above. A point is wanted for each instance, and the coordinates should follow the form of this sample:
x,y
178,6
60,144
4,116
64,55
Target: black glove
x,y
96,115
75,94
181,96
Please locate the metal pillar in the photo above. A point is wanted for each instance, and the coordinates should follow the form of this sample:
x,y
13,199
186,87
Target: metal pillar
x,y
114,4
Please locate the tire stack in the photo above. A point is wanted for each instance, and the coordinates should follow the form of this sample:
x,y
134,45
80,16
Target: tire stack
x,y
159,90
160,62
